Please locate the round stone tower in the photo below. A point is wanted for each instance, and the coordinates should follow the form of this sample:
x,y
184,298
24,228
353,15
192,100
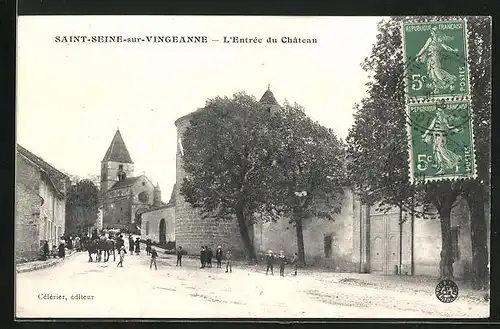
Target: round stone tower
x,y
191,230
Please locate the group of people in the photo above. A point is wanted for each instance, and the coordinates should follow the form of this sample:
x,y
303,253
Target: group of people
x,y
282,261
57,251
206,255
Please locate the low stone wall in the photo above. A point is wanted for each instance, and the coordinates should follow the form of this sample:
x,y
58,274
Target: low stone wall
x,y
40,264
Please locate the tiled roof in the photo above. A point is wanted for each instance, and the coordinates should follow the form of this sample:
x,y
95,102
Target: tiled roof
x,y
125,183
117,151
59,180
268,97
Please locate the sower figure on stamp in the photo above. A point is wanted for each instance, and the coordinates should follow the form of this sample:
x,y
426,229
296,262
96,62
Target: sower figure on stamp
x,y
229,261
435,134
179,256
270,262
218,256
154,254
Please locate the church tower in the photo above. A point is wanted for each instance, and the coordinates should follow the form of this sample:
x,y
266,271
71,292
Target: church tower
x,y
268,101
116,164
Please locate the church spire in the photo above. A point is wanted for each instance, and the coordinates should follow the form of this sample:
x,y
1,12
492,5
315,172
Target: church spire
x,y
117,151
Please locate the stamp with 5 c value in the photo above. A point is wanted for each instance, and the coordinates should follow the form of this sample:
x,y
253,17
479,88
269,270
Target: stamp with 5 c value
x,y
435,54
442,141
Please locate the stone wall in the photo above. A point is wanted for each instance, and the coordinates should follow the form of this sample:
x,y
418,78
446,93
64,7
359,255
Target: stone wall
x,y
153,218
191,230
282,236
27,217
116,213
428,242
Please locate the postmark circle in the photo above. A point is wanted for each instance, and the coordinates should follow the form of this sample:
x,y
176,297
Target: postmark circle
x,y
447,291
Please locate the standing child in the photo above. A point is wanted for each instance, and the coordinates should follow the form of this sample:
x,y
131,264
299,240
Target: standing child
x,y
282,261
229,261
295,260
122,256
154,254
179,256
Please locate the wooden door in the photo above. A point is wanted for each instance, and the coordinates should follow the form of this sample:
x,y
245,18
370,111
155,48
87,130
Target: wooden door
x,y
393,242
378,244
384,243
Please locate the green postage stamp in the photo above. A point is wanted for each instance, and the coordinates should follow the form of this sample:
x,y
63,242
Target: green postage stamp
x,y
435,55
442,141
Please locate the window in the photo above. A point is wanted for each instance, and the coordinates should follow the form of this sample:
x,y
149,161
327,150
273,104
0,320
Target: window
x,y
328,246
120,167
147,228
455,235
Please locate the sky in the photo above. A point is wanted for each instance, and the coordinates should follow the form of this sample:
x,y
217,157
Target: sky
x,y
72,97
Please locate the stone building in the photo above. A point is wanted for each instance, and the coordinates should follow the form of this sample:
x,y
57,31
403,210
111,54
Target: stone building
x,y
191,230
158,224
40,204
359,239
125,197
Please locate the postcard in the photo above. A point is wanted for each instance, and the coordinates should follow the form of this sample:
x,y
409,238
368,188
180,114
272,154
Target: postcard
x,y
187,167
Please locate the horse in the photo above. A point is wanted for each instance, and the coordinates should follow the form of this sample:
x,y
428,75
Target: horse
x,y
107,246
92,248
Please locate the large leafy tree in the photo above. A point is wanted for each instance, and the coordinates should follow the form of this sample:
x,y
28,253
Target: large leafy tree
x,y
311,169
82,206
378,141
227,159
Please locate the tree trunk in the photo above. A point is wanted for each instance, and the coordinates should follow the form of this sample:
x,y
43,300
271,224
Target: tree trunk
x,y
446,264
479,238
247,243
443,196
300,242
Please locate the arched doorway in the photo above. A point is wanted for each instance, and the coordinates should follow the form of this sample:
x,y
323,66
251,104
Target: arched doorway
x,y
163,232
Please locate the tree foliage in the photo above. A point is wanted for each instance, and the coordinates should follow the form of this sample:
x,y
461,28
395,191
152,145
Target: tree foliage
x,y
82,206
311,169
378,141
227,161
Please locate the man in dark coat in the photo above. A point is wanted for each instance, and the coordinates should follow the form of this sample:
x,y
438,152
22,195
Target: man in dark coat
x,y
218,256
202,256
148,246
270,262
62,251
45,250
137,246
131,244
210,255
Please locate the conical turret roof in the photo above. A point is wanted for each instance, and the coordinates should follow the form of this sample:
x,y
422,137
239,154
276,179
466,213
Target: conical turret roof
x,y
268,97
117,151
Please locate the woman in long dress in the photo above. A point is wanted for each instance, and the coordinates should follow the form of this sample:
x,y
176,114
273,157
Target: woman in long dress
x,y
431,54
436,134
